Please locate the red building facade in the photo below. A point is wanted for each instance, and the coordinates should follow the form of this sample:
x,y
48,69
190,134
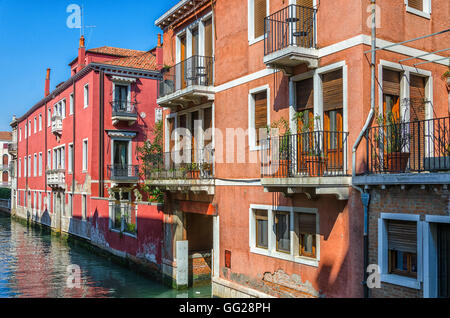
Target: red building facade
x,y
77,161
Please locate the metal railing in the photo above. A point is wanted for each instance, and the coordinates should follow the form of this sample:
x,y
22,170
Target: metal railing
x,y
123,172
123,107
293,25
183,164
409,147
196,70
309,154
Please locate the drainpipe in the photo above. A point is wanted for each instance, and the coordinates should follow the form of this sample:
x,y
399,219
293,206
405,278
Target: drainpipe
x,y
365,197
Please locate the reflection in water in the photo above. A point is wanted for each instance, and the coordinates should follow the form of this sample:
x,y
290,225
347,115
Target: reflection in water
x,y
34,264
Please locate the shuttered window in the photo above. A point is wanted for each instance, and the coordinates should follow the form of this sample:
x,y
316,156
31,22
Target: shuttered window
x,y
208,38
416,4
260,100
332,86
259,8
307,223
417,95
305,3
305,104
402,236
391,82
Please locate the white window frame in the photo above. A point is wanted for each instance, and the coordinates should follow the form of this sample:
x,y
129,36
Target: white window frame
x,y
251,19
49,159
271,251
84,206
29,128
86,96
25,168
85,155
70,199
383,256
426,13
20,134
59,157
29,166
49,201
49,117
40,164
40,122
251,114
26,131
70,150
71,104
35,165
20,168
35,124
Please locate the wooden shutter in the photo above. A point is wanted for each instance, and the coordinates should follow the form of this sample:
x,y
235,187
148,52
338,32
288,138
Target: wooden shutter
x,y
332,86
208,38
259,10
307,223
416,4
305,94
260,113
417,95
402,236
391,82
305,3
195,42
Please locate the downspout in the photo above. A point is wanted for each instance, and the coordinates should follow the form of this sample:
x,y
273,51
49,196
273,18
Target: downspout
x,y
365,197
101,187
73,138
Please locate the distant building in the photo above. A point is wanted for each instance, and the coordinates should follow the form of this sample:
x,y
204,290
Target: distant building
x,y
5,141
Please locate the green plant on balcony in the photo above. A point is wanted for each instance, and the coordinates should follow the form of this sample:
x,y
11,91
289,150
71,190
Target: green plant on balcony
x,y
393,137
130,228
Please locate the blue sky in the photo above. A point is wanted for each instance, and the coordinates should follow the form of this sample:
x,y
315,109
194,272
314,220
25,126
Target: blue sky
x,y
34,36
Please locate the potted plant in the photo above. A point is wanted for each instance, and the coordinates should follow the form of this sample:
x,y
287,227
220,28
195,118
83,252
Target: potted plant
x,y
394,138
194,171
206,169
280,130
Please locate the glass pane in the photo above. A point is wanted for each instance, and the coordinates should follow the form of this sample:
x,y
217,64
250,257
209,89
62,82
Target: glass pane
x,y
283,237
261,240
308,243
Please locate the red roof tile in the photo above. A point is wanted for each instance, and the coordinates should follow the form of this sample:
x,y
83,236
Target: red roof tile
x,y
108,50
5,135
146,61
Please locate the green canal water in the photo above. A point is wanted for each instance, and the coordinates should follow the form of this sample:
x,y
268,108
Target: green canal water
x,y
34,263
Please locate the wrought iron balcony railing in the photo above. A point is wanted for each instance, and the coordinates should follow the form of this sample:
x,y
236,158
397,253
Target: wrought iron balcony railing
x,y
123,108
119,172
309,154
12,148
196,70
409,147
293,25
184,164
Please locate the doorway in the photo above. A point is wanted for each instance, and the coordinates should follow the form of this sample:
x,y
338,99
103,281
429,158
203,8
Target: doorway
x,y
444,260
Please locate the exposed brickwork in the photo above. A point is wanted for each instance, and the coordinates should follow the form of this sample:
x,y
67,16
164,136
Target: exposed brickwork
x,y
433,200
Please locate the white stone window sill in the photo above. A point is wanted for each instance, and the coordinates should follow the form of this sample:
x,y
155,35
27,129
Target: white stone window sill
x,y
418,12
258,39
284,256
400,280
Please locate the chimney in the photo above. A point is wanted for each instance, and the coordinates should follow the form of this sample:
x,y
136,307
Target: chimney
x,y
47,83
81,55
159,52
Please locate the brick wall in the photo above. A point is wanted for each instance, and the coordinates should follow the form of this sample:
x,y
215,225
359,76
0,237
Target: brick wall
x,y
433,200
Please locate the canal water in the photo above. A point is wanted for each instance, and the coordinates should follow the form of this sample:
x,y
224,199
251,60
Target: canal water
x,y
34,264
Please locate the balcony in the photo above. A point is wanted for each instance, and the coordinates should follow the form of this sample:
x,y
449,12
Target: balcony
x,y
12,149
123,111
290,38
187,84
57,125
312,163
56,178
403,153
184,170
123,173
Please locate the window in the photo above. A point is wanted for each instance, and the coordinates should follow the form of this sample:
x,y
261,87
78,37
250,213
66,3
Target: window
x,y
70,204
40,164
70,159
121,97
20,168
288,233
49,197
419,7
85,155
49,117
402,247
40,122
35,165
86,95
258,10
306,232
49,159
40,202
20,134
261,227
26,131
24,166
71,104
29,128
258,115
84,206
35,124
122,217
29,166
283,240
63,108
